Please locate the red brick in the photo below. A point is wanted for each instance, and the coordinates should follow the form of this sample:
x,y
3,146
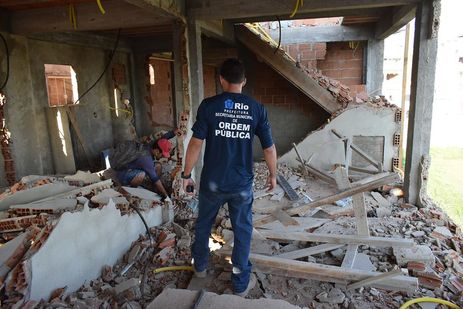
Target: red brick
x,y
308,55
320,46
279,99
266,99
320,54
305,47
259,91
350,81
347,73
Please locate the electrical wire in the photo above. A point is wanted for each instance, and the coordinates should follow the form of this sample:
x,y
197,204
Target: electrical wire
x,y
5,44
111,56
100,6
279,35
299,4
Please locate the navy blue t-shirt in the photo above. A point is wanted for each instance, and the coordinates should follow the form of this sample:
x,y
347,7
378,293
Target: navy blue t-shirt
x,y
228,123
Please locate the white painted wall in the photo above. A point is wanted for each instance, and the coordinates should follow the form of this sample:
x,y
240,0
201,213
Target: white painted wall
x,y
329,150
81,244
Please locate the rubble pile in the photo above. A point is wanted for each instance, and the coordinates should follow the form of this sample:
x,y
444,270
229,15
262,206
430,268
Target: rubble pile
x,y
342,93
145,270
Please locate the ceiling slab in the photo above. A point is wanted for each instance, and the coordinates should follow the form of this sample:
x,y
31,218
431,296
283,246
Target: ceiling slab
x,y
119,14
238,9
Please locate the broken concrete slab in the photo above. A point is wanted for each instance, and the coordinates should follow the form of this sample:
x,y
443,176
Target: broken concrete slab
x,y
142,193
82,243
419,253
185,299
12,252
84,177
104,196
35,194
327,149
55,205
363,262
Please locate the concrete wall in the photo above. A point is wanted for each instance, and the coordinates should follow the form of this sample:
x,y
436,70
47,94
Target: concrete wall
x,y
292,115
27,108
328,150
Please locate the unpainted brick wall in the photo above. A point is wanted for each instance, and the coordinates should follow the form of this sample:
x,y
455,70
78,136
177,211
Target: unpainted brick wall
x,y
343,63
307,54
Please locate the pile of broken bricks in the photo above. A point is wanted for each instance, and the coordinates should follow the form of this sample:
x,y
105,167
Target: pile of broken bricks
x,y
434,261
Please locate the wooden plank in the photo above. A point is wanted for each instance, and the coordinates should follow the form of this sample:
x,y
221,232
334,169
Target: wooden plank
x,y
358,202
293,268
293,255
366,184
339,239
219,9
338,33
284,218
360,151
391,23
349,258
287,69
372,280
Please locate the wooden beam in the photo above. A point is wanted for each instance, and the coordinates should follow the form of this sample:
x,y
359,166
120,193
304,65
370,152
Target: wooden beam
x,y
297,254
391,23
219,9
361,170
372,280
119,14
364,185
287,69
172,8
322,34
284,218
329,273
339,239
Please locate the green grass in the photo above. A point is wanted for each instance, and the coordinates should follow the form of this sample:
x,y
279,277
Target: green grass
x,y
446,181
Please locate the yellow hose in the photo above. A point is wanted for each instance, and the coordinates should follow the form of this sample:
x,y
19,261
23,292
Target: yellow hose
x,y
100,6
172,268
428,300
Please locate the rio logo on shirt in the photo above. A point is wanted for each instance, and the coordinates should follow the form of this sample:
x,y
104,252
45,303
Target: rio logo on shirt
x,y
229,104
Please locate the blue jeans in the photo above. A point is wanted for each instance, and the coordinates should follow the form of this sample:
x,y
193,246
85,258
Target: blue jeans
x,y
240,209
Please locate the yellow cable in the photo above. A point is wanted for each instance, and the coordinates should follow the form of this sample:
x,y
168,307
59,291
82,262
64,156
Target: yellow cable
x,y
100,6
172,268
296,8
429,300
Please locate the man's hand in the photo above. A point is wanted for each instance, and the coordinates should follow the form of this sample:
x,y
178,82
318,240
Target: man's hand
x,y
271,183
178,132
189,186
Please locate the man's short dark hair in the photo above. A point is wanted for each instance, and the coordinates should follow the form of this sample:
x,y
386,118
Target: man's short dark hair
x,y
232,70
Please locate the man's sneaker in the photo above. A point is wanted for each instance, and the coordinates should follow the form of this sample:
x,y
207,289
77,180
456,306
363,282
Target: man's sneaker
x,y
251,285
200,274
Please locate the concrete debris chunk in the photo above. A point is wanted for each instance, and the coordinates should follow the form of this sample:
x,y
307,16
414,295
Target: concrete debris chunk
x,y
335,296
418,253
125,285
442,233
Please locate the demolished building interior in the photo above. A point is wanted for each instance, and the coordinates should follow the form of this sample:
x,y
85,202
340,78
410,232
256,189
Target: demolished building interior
x,y
349,225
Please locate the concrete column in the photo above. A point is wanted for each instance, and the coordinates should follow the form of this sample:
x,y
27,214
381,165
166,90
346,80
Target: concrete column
x,y
374,66
422,96
195,72
179,53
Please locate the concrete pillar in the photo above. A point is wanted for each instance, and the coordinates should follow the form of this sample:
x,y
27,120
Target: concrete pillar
x,y
422,96
374,66
179,55
195,72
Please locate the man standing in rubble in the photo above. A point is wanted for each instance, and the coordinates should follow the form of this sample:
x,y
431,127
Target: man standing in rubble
x,y
228,123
